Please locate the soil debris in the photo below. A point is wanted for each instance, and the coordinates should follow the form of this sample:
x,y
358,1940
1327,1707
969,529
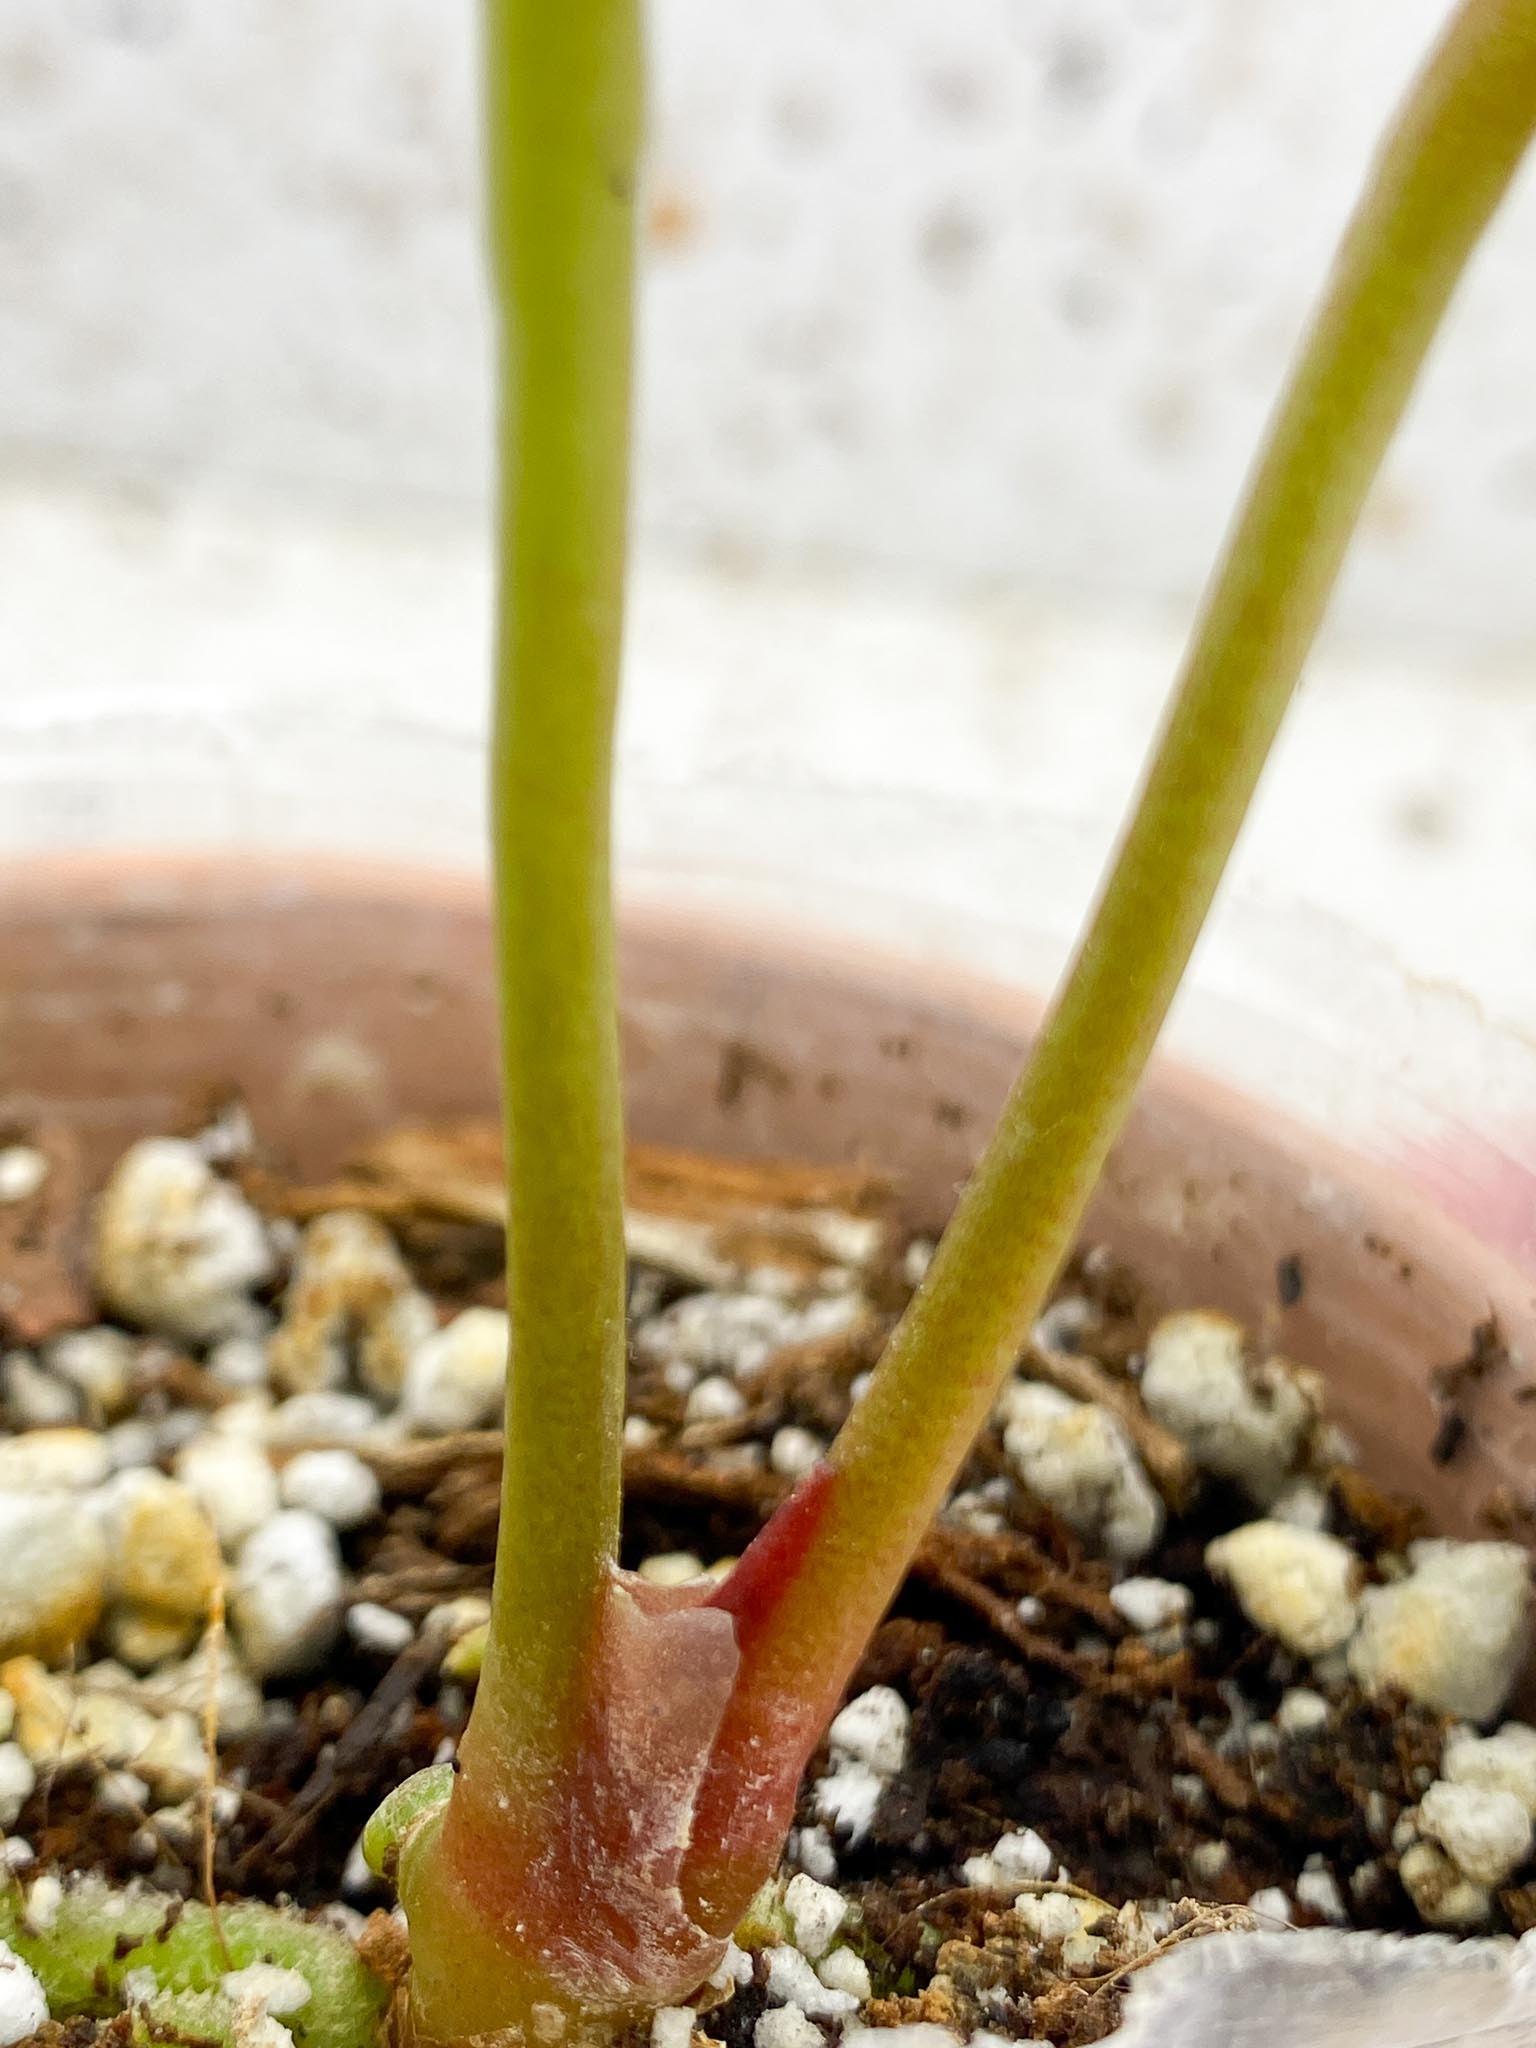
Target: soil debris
x,y
1055,1760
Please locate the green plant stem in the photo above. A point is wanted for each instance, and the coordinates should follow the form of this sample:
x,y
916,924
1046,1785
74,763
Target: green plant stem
x,y
563,128
1442,172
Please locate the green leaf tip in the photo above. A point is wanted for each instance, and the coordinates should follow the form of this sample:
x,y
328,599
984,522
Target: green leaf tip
x,y
100,1936
423,1794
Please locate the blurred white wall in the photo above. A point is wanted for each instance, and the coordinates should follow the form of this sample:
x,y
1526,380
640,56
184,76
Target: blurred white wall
x,y
996,290
960,320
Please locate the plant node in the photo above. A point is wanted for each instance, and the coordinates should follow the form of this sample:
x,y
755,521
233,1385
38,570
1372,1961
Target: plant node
x,y
557,1906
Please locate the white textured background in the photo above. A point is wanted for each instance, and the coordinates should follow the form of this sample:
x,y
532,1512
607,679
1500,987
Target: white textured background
x,y
960,320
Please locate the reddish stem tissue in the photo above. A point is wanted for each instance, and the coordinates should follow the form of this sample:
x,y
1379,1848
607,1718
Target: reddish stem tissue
x,y
588,1881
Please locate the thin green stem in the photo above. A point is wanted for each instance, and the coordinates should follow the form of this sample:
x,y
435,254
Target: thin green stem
x,y
1442,172
563,131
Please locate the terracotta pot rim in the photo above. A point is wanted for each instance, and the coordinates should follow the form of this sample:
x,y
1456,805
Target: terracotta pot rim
x,y
324,985
147,879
